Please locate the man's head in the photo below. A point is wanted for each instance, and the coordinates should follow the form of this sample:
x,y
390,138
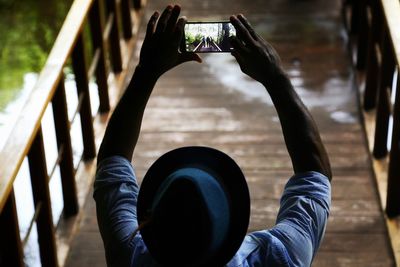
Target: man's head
x,y
196,206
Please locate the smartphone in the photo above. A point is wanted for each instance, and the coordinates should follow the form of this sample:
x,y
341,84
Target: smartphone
x,y
207,37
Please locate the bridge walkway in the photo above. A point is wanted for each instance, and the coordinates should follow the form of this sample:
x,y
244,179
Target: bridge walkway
x,y
213,104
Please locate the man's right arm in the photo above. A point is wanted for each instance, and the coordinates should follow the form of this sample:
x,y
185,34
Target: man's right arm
x,y
259,60
299,129
304,206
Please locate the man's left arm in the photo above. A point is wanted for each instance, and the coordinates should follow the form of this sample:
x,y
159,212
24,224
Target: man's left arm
x,y
159,54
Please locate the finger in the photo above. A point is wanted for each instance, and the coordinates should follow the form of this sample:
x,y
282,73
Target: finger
x,y
246,23
236,55
172,19
151,24
238,45
239,59
162,22
185,57
179,29
241,31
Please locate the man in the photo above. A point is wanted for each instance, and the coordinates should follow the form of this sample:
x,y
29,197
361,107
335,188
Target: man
x,y
180,223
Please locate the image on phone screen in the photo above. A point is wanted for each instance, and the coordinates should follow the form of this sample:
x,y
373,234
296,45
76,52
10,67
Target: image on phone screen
x,y
203,37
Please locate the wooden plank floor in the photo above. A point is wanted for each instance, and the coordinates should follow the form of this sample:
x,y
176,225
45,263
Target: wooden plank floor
x,y
213,104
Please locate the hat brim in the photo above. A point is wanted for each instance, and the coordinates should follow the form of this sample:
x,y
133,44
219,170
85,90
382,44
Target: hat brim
x,y
216,162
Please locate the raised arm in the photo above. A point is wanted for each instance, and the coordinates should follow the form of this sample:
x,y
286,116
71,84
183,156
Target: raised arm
x,y
258,59
159,54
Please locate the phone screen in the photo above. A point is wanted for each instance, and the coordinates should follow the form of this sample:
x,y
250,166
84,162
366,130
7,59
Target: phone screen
x,y
205,37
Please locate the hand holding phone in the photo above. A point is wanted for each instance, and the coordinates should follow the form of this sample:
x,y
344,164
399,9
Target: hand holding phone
x,y
206,37
256,57
157,58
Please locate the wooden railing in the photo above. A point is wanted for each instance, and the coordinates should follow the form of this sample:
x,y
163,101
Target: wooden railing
x,y
105,20
377,24
374,27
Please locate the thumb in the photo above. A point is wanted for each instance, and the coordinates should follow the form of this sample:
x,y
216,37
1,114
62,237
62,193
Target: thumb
x,y
185,57
240,60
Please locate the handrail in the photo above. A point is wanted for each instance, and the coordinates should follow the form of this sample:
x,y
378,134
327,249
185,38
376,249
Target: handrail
x,y
26,137
374,26
391,8
28,123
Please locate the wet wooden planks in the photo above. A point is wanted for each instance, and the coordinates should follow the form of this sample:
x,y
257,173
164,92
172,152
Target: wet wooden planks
x,y
213,104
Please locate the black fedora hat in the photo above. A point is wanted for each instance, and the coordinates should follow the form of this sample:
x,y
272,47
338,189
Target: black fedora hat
x,y
195,205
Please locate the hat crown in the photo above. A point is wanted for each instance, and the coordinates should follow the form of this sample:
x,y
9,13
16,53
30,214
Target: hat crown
x,y
191,204
170,245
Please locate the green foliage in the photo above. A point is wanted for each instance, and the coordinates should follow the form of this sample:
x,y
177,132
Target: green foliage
x,y
28,29
87,37
193,40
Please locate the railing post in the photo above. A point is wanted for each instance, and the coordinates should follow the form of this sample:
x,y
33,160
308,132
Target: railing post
x,y
11,253
355,16
62,127
393,189
373,66
126,18
115,47
384,106
82,84
362,37
97,27
137,4
41,198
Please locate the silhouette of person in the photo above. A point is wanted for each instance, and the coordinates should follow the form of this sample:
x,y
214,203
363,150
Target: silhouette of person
x,y
193,205
204,40
208,41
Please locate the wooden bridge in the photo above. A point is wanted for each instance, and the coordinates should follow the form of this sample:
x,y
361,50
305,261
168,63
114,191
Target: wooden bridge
x,y
343,58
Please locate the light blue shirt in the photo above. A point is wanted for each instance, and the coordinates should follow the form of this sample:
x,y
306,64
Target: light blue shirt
x,y
293,241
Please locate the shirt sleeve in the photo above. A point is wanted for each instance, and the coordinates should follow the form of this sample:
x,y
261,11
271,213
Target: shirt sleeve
x,y
303,216
115,193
